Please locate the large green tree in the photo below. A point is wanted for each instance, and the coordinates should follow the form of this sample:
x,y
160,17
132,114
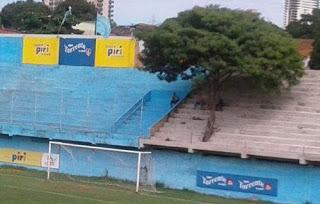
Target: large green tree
x,y
25,16
220,45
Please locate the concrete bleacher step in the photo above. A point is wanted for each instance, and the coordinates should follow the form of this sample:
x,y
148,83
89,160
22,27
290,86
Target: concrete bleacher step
x,y
249,138
275,117
275,107
186,121
182,130
192,116
181,138
191,126
269,130
188,110
301,125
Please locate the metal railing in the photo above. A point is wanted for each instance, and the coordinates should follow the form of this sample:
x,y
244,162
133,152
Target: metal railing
x,y
132,110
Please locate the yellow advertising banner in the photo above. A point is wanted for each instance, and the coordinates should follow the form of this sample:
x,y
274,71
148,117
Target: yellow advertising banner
x,y
21,157
115,52
40,50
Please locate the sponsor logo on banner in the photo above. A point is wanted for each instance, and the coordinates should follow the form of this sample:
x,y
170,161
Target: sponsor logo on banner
x,y
42,49
77,51
246,184
80,48
115,51
28,158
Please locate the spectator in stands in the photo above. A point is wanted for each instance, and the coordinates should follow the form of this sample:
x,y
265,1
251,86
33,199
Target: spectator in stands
x,y
200,101
174,99
220,105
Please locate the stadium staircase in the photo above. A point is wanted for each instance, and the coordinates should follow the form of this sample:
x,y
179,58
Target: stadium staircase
x,y
285,126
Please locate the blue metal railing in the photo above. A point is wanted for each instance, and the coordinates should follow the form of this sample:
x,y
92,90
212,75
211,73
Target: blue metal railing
x,y
139,104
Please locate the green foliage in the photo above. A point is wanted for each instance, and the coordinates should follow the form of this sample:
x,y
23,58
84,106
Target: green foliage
x,y
307,28
81,11
35,17
25,16
315,57
225,43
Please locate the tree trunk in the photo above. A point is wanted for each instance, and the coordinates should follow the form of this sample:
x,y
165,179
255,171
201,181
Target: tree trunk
x,y
212,118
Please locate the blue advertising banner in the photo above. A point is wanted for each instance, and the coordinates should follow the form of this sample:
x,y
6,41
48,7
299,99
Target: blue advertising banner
x,y
246,184
77,52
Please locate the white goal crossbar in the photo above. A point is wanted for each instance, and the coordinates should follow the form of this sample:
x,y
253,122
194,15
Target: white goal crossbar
x,y
139,153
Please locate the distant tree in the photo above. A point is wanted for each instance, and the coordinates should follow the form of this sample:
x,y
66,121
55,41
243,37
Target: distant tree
x,y
25,16
34,17
315,57
308,27
217,45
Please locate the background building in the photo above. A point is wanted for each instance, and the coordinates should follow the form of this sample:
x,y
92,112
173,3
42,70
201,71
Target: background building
x,y
294,9
104,7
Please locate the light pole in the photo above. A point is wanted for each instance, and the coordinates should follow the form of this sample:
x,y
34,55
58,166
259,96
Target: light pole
x,y
66,15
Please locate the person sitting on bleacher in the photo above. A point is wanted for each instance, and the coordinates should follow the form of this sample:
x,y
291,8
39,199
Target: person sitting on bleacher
x,y
199,101
174,99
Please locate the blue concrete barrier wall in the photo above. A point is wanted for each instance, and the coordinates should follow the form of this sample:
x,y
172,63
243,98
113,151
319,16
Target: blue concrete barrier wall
x,y
10,50
296,184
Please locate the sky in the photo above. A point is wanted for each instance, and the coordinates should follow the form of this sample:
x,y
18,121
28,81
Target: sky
x,y
156,11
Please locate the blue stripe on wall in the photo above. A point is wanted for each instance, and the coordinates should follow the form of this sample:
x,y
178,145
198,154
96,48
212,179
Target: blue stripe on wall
x,y
296,184
10,50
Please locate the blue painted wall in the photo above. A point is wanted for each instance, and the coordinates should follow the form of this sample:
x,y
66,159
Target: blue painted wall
x,y
75,103
10,50
296,183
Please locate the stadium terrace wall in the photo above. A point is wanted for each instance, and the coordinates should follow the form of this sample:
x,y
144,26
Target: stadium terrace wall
x,y
295,184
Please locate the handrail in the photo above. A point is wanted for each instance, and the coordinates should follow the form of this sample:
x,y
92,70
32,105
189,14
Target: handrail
x,y
130,111
173,108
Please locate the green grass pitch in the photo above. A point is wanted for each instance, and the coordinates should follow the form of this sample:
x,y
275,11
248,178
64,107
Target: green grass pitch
x,y
20,186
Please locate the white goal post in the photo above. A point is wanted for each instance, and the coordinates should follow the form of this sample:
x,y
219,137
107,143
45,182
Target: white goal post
x,y
139,153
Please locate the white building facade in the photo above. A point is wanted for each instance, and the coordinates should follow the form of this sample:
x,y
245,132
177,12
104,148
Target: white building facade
x,y
294,9
104,7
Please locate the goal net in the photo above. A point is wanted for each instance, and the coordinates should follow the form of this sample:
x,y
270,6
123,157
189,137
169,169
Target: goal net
x,y
108,166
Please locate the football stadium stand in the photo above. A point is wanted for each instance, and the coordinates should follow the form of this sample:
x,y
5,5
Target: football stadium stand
x,y
284,126
127,109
